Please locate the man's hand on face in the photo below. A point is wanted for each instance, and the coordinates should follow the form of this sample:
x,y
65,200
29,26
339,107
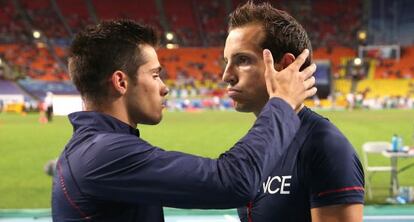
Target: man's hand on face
x,y
290,84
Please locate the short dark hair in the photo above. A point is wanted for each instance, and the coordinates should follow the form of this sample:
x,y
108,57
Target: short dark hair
x,y
283,34
100,50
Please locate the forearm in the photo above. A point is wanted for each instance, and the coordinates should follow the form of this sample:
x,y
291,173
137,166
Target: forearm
x,y
234,178
154,176
338,213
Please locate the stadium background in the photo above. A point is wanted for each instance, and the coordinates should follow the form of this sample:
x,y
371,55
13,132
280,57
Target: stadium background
x,y
364,51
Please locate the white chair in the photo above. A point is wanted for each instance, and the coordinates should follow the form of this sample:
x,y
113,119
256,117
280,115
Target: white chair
x,y
376,147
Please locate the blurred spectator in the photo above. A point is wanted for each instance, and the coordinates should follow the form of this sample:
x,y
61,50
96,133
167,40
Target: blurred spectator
x,y
49,106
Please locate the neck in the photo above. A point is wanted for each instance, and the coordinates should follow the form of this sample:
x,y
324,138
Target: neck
x,y
114,108
297,110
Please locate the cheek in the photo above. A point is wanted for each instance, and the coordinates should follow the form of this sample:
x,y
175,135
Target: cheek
x,y
152,92
147,88
259,80
254,78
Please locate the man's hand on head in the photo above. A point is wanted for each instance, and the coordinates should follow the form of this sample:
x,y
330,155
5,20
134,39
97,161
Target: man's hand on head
x,y
290,84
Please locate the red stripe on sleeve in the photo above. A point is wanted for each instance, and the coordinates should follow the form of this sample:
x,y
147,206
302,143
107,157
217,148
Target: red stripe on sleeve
x,y
340,190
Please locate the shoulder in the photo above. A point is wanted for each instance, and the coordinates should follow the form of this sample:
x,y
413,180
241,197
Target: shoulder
x,y
109,149
118,140
315,126
323,138
111,145
325,135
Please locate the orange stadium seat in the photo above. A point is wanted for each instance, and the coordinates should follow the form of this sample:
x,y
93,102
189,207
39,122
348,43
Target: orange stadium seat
x,y
394,69
187,59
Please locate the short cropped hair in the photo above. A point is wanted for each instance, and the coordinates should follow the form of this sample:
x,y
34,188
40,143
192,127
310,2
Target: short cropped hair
x,y
100,50
283,34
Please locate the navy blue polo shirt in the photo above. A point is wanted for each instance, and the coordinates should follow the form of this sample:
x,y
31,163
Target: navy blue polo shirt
x,y
108,173
319,168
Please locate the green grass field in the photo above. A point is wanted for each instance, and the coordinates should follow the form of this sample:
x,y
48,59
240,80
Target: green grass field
x,y
26,145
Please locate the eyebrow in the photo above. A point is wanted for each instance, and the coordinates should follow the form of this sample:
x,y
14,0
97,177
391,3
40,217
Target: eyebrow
x,y
157,69
243,54
240,54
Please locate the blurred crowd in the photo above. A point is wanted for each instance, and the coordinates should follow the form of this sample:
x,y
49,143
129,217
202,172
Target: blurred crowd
x,y
204,24
194,23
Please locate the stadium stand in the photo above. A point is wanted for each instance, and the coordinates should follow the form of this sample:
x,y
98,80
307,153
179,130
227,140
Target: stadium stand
x,y
183,22
75,13
11,25
324,32
383,18
139,10
12,97
200,28
211,15
391,69
39,88
9,88
33,61
42,16
200,63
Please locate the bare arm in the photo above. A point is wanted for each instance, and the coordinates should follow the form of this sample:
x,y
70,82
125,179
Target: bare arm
x,y
338,213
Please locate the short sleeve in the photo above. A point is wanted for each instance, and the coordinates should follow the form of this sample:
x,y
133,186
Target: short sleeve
x,y
337,176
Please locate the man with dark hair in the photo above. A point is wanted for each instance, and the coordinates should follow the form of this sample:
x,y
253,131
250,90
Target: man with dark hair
x,y
319,177
108,173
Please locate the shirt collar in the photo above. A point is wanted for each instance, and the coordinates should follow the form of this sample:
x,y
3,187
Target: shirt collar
x,y
303,112
101,122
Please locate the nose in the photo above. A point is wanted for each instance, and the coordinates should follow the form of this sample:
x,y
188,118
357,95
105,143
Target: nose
x,y
164,89
229,76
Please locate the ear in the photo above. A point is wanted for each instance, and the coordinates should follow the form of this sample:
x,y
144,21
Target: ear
x,y
285,61
119,81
